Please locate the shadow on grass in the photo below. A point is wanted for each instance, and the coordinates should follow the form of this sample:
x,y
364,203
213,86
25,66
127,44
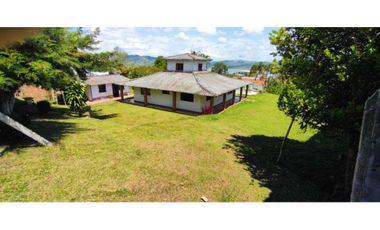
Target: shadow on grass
x,y
51,128
98,115
309,171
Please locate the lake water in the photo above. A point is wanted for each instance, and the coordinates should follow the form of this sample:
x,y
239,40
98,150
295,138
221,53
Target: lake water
x,y
231,71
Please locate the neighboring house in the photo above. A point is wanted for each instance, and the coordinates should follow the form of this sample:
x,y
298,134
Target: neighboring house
x,y
188,86
106,86
256,84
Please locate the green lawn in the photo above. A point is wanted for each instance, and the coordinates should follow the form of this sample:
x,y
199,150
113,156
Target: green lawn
x,y
132,153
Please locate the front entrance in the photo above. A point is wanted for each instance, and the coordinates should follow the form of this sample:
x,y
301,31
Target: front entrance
x,y
116,90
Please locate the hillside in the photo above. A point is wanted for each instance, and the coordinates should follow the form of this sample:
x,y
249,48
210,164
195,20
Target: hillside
x,y
139,60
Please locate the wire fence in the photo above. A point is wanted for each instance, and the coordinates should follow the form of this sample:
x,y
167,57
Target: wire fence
x,y
366,184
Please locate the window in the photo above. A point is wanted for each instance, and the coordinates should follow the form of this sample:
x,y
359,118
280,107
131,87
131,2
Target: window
x,y
142,91
200,67
165,92
179,67
208,98
187,97
102,88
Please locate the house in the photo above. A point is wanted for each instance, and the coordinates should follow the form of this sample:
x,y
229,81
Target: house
x,y
106,86
257,85
188,86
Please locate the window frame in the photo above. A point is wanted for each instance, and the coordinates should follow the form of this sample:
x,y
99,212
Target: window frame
x,y
147,91
201,66
101,87
177,65
184,95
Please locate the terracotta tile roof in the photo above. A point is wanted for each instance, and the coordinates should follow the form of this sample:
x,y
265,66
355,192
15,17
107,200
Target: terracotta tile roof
x,y
253,80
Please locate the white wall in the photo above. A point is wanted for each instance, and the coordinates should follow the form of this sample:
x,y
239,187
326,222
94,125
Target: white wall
x,y
156,97
188,66
93,93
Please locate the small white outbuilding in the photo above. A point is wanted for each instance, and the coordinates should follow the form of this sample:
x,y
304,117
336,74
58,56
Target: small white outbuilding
x,y
106,86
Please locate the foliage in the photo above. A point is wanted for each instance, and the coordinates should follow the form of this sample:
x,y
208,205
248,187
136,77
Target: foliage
x,y
220,68
337,69
274,85
331,72
76,97
160,63
259,70
51,58
43,107
138,71
199,53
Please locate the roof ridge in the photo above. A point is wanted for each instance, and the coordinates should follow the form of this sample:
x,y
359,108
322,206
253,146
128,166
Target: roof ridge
x,y
202,87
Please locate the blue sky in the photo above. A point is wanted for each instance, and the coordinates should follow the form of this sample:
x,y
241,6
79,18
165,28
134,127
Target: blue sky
x,y
247,43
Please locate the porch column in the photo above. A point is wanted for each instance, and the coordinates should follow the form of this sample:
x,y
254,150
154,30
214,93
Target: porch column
x,y
246,91
233,97
122,92
212,105
224,101
145,97
241,93
174,100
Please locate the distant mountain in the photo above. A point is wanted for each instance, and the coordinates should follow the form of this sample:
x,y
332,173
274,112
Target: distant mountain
x,y
138,60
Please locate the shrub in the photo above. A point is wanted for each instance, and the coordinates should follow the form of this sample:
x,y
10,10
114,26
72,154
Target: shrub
x,y
274,86
43,107
76,97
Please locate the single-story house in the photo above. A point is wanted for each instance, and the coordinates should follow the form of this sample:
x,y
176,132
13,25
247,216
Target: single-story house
x,y
257,85
106,86
188,86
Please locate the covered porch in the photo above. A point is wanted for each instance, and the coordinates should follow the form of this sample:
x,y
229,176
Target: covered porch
x,y
211,105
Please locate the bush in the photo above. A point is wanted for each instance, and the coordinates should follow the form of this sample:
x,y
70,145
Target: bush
x,y
76,97
43,107
274,86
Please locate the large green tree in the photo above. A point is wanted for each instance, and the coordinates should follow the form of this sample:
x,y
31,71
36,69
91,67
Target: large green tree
x,y
160,63
51,58
220,68
336,70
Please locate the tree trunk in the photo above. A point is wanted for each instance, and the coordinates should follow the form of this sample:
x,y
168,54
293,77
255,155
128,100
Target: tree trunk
x,y
7,102
284,140
63,97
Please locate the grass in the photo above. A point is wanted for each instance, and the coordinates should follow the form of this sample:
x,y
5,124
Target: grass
x,y
132,153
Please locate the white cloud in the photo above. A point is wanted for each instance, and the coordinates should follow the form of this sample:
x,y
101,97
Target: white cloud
x,y
207,30
253,30
183,36
222,39
145,41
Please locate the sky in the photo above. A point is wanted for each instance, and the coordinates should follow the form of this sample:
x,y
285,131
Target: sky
x,y
221,43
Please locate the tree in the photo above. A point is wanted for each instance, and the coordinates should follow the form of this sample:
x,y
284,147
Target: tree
x,y
220,68
199,53
336,70
50,59
138,71
76,97
259,70
160,63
